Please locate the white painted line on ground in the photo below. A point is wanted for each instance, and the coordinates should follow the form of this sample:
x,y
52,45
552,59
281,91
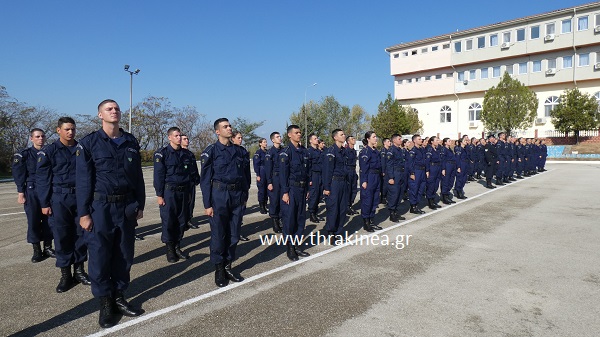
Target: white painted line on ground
x,y
12,213
251,279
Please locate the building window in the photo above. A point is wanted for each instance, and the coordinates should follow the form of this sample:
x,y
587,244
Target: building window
x,y
460,77
399,81
414,52
521,34
409,80
534,32
481,42
424,50
597,19
445,114
493,40
469,45
565,26
550,28
551,64
446,46
434,48
582,23
457,47
536,66
472,75
506,37
475,112
549,105
427,78
405,54
417,79
522,68
584,60
449,75
567,62
496,72
438,77
484,73
509,69
396,55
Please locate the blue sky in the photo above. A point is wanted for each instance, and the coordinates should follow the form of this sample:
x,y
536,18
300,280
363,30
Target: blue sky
x,y
227,58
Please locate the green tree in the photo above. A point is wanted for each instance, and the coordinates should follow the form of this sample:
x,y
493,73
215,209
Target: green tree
x,y
151,119
248,130
576,111
509,106
392,117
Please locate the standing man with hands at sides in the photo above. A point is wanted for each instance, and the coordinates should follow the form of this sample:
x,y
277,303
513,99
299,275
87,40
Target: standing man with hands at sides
x,y
174,174
351,158
23,170
272,173
110,199
261,179
415,165
335,187
236,139
315,156
56,191
222,183
195,180
294,179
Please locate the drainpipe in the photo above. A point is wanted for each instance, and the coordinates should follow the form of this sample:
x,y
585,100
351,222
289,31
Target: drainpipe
x,y
574,49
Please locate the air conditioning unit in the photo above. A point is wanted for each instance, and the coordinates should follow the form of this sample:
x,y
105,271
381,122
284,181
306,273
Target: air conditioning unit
x,y
505,45
597,29
551,71
597,66
473,124
541,120
549,37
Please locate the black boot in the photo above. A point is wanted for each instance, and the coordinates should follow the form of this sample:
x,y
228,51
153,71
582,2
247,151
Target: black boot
x,y
66,280
48,251
432,204
263,207
171,255
461,195
38,255
499,182
124,307
367,225
106,319
180,254
488,184
393,216
301,252
220,277
244,238
276,227
375,227
446,199
314,218
291,252
449,196
230,275
506,181
80,275
520,177
478,176
398,216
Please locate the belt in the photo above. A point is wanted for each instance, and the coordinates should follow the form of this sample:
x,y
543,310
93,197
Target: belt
x,y
374,171
401,168
315,171
451,161
338,178
435,164
227,187
298,183
112,198
420,167
177,188
64,190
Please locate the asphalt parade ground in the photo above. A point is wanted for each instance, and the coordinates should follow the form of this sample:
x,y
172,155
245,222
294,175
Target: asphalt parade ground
x,y
519,260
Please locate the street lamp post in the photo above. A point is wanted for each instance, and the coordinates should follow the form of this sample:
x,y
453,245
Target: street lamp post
x,y
131,73
305,119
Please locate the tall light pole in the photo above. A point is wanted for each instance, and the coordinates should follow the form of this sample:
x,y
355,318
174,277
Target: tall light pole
x,y
305,119
131,73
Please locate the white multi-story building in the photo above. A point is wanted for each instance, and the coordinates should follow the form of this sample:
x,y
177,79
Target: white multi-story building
x,y
445,77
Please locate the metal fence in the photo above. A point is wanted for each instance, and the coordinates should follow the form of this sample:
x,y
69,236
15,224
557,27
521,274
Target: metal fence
x,y
587,133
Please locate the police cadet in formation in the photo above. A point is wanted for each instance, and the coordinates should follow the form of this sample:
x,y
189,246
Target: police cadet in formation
x,y
501,159
395,175
462,167
335,187
473,142
294,177
407,144
272,172
544,148
529,158
185,143
434,158
415,165
520,167
55,187
491,161
222,181
236,139
110,199
383,154
449,170
351,158
174,174
23,171
315,190
480,166
258,163
370,178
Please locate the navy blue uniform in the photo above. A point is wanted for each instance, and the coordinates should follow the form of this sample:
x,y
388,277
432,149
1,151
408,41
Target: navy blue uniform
x,y
272,172
501,168
462,162
173,177
23,171
222,181
544,155
395,169
433,165
471,155
480,166
352,176
491,161
55,187
110,188
520,159
383,187
316,184
416,166
334,181
370,173
449,164
294,169
258,163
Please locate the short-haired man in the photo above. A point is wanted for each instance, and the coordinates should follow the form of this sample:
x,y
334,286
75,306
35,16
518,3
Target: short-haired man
x,y
335,186
258,162
315,156
272,173
195,180
415,165
352,176
110,199
395,177
23,170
